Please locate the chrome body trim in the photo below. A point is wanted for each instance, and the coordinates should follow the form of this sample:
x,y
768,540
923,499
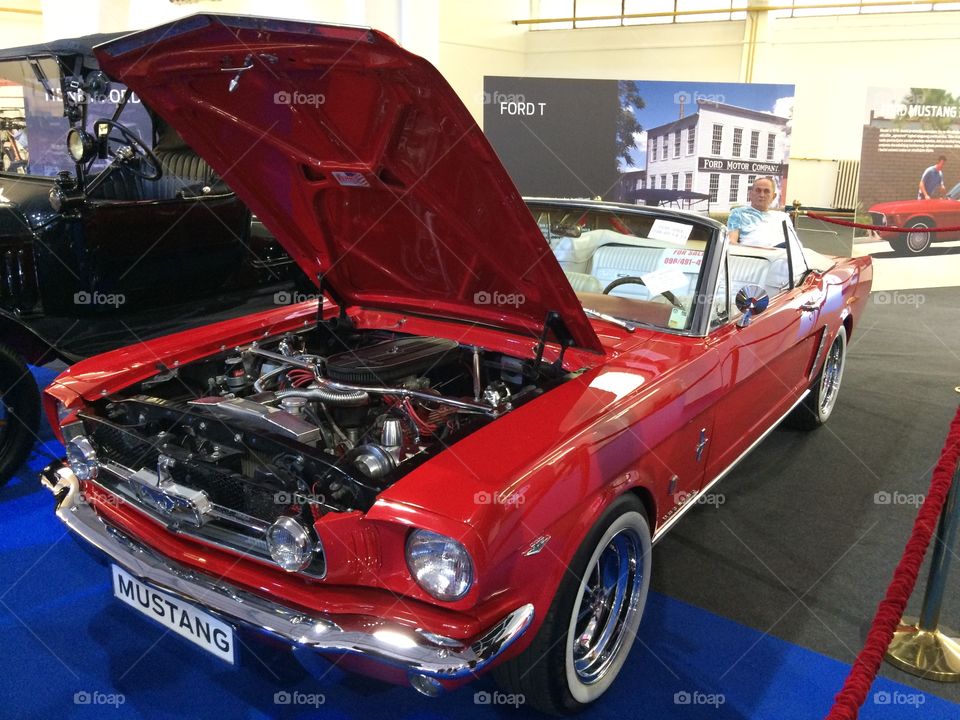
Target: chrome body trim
x,y
373,637
694,497
816,358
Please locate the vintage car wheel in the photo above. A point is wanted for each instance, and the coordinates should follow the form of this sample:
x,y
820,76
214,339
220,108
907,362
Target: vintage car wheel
x,y
19,412
915,242
592,622
817,407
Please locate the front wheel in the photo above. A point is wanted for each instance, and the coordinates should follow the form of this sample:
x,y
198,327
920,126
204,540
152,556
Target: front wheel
x,y
817,407
914,242
19,412
592,622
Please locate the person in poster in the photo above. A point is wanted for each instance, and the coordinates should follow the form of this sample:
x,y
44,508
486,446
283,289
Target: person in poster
x,y
931,181
756,224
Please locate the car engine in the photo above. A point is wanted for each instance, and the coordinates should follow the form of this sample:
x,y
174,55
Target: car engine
x,y
301,425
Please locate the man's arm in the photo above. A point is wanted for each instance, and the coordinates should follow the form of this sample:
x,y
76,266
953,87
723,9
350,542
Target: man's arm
x,y
734,221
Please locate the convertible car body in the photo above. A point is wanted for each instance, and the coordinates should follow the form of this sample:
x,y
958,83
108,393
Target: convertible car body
x,y
920,216
456,461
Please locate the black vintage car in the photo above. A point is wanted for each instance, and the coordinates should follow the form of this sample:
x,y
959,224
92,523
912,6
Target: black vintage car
x,y
112,229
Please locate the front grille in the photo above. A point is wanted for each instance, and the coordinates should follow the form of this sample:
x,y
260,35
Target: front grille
x,y
223,486
877,219
240,511
122,447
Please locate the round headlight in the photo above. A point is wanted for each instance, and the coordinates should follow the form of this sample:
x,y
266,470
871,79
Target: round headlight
x,y
439,564
82,458
289,544
79,145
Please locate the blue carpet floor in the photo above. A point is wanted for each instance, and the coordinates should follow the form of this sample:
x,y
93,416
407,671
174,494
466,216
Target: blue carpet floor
x,y
70,650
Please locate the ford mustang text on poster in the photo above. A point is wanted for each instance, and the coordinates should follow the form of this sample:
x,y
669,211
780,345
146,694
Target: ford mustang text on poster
x,y
458,459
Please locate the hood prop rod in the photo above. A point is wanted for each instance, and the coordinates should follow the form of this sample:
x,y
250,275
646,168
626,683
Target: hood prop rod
x,y
555,324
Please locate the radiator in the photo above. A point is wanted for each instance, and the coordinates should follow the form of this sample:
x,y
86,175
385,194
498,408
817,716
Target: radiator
x,y
848,182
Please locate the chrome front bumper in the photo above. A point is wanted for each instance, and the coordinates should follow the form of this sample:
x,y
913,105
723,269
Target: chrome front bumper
x,y
417,651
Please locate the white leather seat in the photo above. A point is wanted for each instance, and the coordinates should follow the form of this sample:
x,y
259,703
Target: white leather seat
x,y
611,262
583,282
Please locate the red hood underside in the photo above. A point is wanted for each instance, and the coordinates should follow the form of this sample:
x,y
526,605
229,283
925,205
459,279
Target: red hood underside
x,y
361,160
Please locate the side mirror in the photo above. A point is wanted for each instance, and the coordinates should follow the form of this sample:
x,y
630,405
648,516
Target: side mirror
x,y
751,300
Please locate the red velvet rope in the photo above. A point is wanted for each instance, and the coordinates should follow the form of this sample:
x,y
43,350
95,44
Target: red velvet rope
x,y
847,703
881,228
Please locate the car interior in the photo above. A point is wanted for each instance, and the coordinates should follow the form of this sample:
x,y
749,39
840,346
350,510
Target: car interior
x,y
184,174
596,259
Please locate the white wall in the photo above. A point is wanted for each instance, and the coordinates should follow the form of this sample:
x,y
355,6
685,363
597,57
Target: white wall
x,y
477,39
22,22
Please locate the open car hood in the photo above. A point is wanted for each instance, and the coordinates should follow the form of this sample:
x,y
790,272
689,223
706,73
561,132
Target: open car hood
x,y
362,161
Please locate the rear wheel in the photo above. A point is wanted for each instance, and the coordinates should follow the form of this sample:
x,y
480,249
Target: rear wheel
x,y
817,407
19,412
591,625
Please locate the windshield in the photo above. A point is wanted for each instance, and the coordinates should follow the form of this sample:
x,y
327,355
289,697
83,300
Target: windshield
x,y
650,271
954,193
33,124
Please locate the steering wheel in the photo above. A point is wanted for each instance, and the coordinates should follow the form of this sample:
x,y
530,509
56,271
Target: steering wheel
x,y
130,147
634,280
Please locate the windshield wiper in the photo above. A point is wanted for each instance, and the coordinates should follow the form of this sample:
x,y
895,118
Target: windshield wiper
x,y
628,326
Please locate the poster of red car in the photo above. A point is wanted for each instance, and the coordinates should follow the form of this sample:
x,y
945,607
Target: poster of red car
x,y
910,166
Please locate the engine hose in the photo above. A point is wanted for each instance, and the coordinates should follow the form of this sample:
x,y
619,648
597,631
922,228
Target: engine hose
x,y
328,396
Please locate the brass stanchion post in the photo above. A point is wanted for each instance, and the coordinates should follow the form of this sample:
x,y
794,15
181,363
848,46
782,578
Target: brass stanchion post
x,y
921,646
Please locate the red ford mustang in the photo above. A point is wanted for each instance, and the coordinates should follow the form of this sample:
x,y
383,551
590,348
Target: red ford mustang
x,y
920,216
456,461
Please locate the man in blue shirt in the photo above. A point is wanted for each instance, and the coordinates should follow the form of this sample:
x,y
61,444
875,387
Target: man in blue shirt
x,y
756,224
931,182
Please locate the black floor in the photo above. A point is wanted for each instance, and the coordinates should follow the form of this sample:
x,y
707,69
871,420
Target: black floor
x,y
802,547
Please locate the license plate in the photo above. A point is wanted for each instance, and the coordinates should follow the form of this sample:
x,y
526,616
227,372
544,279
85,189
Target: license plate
x,y
197,626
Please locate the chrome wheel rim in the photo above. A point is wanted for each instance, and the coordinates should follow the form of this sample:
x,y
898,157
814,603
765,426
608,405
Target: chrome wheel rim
x,y
918,240
832,373
608,607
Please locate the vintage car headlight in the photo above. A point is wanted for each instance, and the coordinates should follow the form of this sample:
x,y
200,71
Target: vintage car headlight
x,y
439,564
289,544
79,145
82,458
